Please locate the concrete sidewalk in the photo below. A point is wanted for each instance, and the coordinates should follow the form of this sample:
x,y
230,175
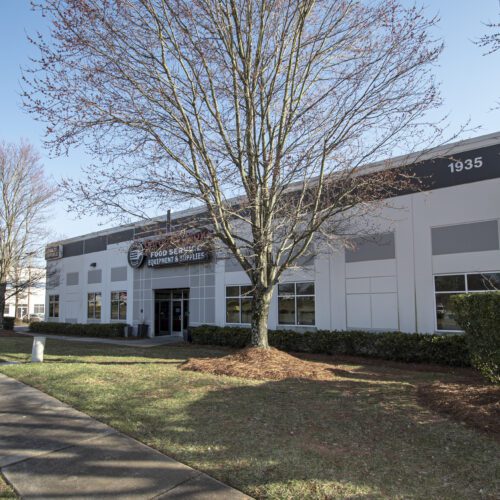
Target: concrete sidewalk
x,y
147,342
50,450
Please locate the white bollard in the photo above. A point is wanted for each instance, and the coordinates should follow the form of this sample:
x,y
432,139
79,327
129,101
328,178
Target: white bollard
x,y
38,348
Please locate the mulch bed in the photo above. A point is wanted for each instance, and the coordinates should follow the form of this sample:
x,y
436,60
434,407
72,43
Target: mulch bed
x,y
477,405
261,364
467,400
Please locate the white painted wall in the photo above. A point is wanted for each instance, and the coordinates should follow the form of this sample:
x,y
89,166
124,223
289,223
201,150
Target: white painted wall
x,y
382,295
73,298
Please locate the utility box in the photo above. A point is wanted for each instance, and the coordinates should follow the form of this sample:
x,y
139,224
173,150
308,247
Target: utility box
x,y
38,349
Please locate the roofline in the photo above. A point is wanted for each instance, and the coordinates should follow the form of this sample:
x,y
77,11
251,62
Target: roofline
x,y
481,141
393,162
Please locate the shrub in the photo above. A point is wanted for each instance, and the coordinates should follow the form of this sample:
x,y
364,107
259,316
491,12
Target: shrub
x,y
8,323
396,346
478,315
81,329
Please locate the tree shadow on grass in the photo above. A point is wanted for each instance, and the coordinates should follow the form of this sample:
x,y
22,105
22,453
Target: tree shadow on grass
x,y
295,438
340,438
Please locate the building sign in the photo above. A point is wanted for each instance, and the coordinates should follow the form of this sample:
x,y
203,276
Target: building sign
x,y
175,250
458,168
136,254
53,252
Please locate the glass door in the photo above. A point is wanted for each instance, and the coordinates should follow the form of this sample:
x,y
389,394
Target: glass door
x,y
171,311
162,316
177,316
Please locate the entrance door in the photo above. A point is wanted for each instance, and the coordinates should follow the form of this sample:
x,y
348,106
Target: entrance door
x,y
171,311
22,311
164,317
177,316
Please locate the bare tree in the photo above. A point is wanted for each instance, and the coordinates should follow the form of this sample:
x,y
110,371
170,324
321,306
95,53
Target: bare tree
x,y
26,195
263,111
491,41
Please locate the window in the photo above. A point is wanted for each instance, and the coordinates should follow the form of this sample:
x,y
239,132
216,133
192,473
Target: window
x,y
119,305
39,308
53,306
453,284
238,304
94,305
296,303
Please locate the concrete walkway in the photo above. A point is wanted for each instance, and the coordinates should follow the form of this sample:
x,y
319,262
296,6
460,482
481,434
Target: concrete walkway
x,y
49,450
148,342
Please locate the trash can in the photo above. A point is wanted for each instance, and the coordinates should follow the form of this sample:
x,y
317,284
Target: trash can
x,y
127,331
142,330
187,335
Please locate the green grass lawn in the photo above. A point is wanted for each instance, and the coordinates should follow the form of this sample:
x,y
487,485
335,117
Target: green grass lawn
x,y
362,435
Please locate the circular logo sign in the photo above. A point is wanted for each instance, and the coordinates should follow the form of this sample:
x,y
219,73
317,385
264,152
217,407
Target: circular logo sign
x,y
136,254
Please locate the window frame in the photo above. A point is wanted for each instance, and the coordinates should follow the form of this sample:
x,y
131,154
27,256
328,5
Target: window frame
x,y
295,297
455,292
238,297
118,301
35,306
52,303
94,302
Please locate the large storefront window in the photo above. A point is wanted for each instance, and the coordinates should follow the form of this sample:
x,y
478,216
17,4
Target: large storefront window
x,y
296,303
119,305
446,286
239,304
53,306
94,305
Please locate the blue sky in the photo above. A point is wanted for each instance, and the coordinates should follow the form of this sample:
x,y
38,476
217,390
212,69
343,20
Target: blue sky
x,y
470,85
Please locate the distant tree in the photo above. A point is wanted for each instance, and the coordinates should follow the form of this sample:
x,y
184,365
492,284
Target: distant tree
x,y
26,195
275,102
491,41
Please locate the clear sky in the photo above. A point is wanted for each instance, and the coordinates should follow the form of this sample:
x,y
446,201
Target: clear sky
x,y
470,84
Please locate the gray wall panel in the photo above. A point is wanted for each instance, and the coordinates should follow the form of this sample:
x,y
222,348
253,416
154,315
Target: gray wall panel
x,y
72,249
119,237
94,276
97,244
373,247
460,238
209,311
72,279
119,273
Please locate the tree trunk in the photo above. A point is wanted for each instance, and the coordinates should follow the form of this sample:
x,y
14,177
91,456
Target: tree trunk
x,y
260,314
3,289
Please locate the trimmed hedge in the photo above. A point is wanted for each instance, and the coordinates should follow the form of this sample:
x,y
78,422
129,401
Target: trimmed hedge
x,y
79,329
395,346
478,314
8,322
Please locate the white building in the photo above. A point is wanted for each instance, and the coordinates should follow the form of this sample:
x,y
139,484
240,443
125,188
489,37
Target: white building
x,y
428,245
30,301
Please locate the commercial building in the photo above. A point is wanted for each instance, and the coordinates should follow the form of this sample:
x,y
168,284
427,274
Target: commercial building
x,y
422,248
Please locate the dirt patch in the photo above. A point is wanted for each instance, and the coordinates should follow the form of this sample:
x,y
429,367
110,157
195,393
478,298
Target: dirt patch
x,y
477,405
261,364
